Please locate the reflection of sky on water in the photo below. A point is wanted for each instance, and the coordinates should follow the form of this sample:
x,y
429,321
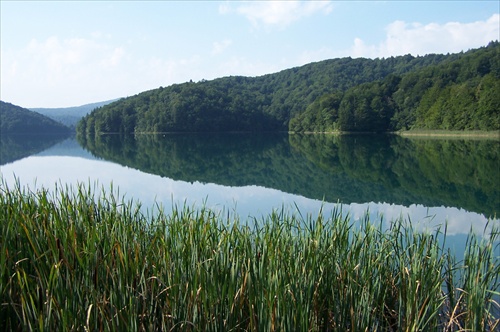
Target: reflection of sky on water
x,y
246,201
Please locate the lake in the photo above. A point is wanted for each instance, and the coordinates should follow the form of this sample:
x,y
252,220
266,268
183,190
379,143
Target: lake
x,y
429,181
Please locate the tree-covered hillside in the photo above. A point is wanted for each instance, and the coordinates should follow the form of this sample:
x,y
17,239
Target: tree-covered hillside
x,y
317,90
461,94
17,120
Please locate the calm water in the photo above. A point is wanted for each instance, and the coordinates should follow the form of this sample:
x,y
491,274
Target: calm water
x,y
431,181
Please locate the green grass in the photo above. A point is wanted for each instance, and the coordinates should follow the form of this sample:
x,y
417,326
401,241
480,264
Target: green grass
x,y
450,134
82,259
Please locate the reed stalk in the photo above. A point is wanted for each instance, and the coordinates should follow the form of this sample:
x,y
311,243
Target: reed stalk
x,y
80,258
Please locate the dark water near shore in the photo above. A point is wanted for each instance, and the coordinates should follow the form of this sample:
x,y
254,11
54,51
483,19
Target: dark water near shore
x,y
431,181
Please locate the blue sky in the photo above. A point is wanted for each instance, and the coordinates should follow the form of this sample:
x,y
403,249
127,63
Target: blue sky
x,y
68,53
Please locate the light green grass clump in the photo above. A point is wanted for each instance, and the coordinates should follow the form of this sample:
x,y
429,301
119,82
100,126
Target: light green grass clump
x,y
76,260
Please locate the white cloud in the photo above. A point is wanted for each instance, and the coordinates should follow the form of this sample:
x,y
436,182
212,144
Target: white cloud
x,y
278,13
154,72
219,47
115,58
54,69
59,72
224,9
418,39
56,59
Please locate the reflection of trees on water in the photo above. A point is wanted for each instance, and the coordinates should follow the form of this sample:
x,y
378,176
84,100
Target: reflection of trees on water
x,y
432,172
458,173
15,147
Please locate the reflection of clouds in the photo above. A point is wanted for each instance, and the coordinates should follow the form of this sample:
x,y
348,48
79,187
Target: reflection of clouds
x,y
248,201
458,221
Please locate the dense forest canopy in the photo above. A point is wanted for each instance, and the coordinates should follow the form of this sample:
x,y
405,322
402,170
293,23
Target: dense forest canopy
x,y
461,94
17,120
339,94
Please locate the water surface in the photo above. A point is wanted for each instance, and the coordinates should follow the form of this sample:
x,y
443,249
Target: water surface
x,y
430,181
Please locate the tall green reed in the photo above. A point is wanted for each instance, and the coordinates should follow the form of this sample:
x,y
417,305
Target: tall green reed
x,y
77,258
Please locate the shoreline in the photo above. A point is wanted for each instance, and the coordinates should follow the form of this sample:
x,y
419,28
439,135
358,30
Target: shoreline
x,y
449,134
406,133
417,133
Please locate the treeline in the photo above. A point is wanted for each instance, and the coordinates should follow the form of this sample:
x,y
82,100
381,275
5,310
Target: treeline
x,y
17,120
267,103
462,94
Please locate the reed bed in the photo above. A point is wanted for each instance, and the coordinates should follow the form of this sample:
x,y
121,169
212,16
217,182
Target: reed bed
x,y
77,258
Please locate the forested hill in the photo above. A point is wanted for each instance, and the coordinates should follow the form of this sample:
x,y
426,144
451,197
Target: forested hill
x,y
17,120
461,94
310,95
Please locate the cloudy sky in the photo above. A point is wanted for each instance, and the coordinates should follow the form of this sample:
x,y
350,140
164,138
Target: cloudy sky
x,y
68,53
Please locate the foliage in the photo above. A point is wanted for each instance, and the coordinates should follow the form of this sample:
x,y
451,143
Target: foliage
x,y
458,93
267,103
74,260
18,120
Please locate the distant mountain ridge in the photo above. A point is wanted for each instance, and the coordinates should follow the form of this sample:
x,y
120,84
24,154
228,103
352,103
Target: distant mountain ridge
x,y
69,116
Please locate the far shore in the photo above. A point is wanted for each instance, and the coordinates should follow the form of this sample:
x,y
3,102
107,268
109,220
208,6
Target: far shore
x,y
477,134
421,133
450,134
